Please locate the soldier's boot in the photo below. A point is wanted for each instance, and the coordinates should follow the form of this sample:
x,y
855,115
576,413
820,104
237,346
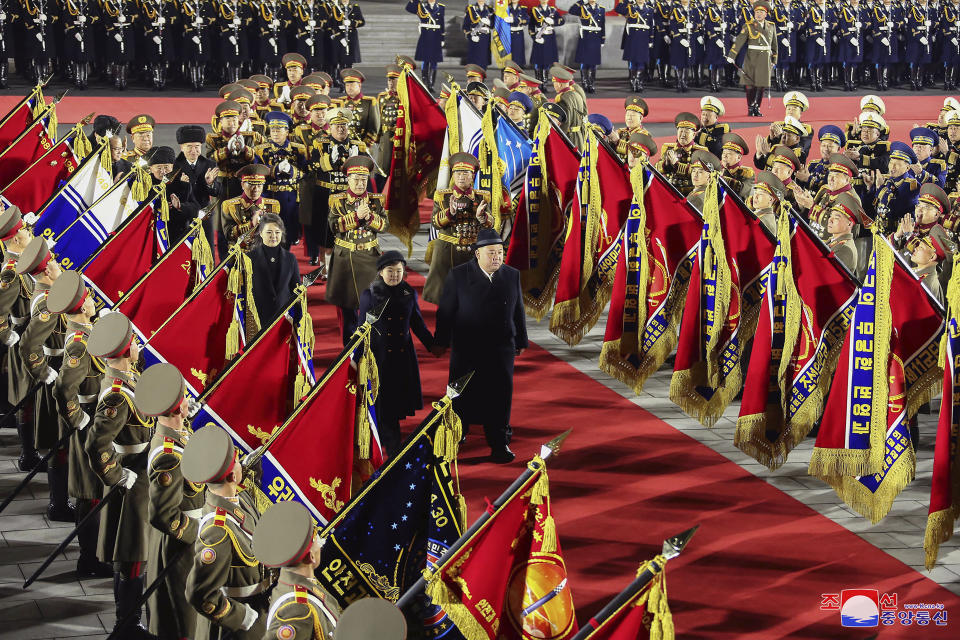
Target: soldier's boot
x,y
593,79
83,72
813,78
128,594
202,74
584,82
122,76
641,78
161,76
819,78
917,78
676,82
947,78
59,509
433,77
3,73
749,92
88,565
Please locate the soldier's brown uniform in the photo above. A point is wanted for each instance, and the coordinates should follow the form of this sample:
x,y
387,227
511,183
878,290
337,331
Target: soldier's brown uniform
x,y
768,218
174,511
740,179
225,574
19,380
929,277
576,109
678,173
228,163
300,604
41,347
365,125
236,216
388,104
623,139
820,211
845,250
695,197
10,289
356,248
455,219
118,436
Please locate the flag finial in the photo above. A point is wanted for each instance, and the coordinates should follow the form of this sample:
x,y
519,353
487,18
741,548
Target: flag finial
x,y
674,545
456,387
374,314
552,448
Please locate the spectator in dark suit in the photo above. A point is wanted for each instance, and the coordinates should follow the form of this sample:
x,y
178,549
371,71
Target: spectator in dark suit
x,y
200,171
392,346
481,318
275,271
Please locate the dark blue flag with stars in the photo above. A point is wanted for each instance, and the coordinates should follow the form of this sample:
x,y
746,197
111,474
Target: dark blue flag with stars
x,y
403,520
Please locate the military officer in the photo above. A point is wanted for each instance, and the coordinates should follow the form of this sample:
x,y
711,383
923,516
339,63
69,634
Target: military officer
x,y
41,351
767,192
840,172
356,217
683,29
286,538
429,51
459,212
932,204
531,86
117,438
175,504
702,164
544,19
230,148
758,37
140,129
519,110
635,110
474,73
593,35
573,104
75,394
287,160
293,64
832,140
388,104
840,225
896,195
262,104
711,132
818,29
927,252
365,113
783,163
298,107
226,585
676,156
737,175
924,142
718,35
887,27
477,24
240,216
640,148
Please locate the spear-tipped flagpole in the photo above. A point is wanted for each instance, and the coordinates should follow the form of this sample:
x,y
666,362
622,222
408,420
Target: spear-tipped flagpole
x,y
547,451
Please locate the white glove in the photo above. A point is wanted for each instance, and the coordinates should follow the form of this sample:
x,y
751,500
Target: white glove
x,y
508,19
311,23
196,39
284,167
821,42
346,24
272,41
475,38
121,19
731,60
548,20
237,22
719,43
953,41
198,21
857,24
232,40
49,375
785,41
275,23
854,41
684,42
83,422
156,39
789,25
699,39
40,37
42,17
161,20
249,617
334,153
666,39
885,42
926,23
924,41
78,37
118,37
81,19
12,338
128,478
308,42
285,93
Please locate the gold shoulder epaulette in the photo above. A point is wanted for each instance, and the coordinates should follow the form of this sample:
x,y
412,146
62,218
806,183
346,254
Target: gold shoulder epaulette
x,y
271,205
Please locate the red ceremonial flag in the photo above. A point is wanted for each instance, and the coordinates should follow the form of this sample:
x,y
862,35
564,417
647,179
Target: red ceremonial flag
x,y
945,483
417,146
38,182
508,580
314,452
26,149
650,285
642,615
125,256
21,115
536,242
591,248
723,299
806,308
160,291
887,369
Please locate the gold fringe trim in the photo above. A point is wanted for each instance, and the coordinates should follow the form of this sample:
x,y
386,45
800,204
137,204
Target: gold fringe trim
x,y
537,307
200,253
875,506
443,596
302,385
722,277
590,310
368,388
683,393
565,314
140,188
240,280
939,529
549,544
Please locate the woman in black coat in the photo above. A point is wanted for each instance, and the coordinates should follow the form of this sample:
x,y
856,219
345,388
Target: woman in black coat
x,y
392,346
275,270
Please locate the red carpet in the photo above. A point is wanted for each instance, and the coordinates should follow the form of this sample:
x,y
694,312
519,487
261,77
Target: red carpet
x,y
626,480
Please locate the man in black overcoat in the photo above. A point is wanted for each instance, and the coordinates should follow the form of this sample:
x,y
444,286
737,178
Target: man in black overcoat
x,y
481,319
200,171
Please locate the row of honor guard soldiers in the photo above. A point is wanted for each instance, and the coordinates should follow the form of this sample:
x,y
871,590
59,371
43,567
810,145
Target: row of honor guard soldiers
x,y
683,42
156,39
185,517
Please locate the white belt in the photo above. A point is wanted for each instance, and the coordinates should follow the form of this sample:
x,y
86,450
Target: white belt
x,y
589,28
516,28
48,351
638,26
245,592
130,448
86,398
193,513
17,320
757,47
424,25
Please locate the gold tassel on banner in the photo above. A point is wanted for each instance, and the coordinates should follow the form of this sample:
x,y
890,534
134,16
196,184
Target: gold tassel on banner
x,y
549,544
139,189
368,385
53,123
251,314
721,307
541,490
81,145
200,253
462,511
305,334
106,159
446,442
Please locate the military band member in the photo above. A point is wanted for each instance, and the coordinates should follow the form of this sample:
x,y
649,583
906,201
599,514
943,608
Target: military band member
x,y
287,160
887,26
316,125
573,104
544,20
737,175
287,538
702,164
477,25
640,148
140,129
917,25
711,132
765,196
117,438
927,253
366,116
75,394
676,156
758,37
175,504
925,142
226,585
41,351
840,226
195,22
240,216
429,51
459,212
593,35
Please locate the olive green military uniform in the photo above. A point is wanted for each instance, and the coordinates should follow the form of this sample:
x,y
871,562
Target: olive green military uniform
x,y
623,139
327,156
455,219
740,179
695,197
174,510
18,382
356,247
365,123
388,105
930,279
768,218
236,216
41,349
761,52
845,250
229,163
300,604
225,574
10,289
820,211
118,436
576,108
678,173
